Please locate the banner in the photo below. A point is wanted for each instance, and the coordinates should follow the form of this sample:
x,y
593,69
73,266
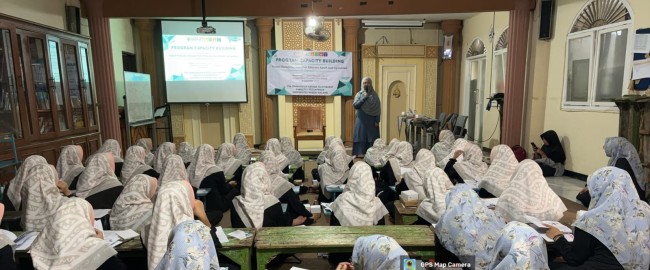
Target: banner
x,y
309,73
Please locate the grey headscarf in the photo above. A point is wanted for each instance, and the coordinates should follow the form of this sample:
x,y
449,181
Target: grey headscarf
x,y
372,105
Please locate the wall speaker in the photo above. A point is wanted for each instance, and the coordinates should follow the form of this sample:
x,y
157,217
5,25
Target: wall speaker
x,y
72,20
547,12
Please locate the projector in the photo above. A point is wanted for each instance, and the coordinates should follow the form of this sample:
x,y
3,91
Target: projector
x,y
206,30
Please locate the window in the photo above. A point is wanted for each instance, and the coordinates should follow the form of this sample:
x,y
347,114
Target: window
x,y
597,58
499,63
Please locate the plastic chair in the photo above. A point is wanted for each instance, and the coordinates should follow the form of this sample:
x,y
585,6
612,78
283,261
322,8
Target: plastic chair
x,y
459,126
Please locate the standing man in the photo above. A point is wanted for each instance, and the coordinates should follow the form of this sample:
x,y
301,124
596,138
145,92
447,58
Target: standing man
x,y
366,125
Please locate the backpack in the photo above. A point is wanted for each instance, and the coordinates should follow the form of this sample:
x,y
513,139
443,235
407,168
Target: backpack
x,y
520,152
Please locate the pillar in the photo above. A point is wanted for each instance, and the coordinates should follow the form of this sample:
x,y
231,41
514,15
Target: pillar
x,y
100,41
450,66
351,41
513,108
268,113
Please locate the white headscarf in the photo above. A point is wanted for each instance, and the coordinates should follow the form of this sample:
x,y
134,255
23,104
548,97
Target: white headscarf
x,y
69,240
274,145
40,196
424,162
372,105
203,165
148,146
186,152
436,187
190,247
226,160
134,163
503,165
243,151
256,196
358,205
391,150
133,208
459,144
290,152
519,247
377,252
173,205
164,150
472,166
403,157
529,194
279,183
326,147
174,170
98,176
113,147
443,148
16,184
69,164
335,169
374,153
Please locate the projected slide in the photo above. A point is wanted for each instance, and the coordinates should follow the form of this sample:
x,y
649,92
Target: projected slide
x,y
204,68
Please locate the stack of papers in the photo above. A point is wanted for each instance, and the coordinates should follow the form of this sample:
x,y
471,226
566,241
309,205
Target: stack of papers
x,y
221,235
239,234
115,238
536,223
24,242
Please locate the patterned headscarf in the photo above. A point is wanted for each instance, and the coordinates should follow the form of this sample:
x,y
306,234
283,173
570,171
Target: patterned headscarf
x,y
148,146
326,147
372,105
443,147
519,247
436,187
274,145
459,144
424,162
256,196
291,153
69,240
335,169
503,165
225,158
69,164
279,183
358,205
619,147
174,170
98,176
134,163
173,206
243,151
40,196
374,153
529,194
113,147
186,152
164,150
377,252
391,150
16,184
203,165
190,247
468,229
403,158
133,208
617,217
472,166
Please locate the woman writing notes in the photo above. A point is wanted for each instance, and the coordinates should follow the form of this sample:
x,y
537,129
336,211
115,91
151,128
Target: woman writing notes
x,y
366,125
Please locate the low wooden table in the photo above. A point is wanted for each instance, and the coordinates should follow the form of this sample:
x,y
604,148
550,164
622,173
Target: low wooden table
x,y
401,210
269,242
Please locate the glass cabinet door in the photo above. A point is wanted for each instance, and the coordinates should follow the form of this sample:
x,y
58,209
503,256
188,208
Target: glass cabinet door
x,y
86,84
36,47
57,85
74,89
9,107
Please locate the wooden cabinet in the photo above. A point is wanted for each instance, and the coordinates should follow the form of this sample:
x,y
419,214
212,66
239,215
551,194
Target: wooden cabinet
x,y
46,89
634,125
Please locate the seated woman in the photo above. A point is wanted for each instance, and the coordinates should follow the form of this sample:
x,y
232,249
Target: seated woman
x,y
274,145
529,194
375,252
519,247
41,197
414,179
334,171
436,187
164,150
282,189
614,233
321,157
467,229
374,153
256,207
134,164
13,197
113,147
98,184
471,167
148,147
358,205
190,247
174,205
243,151
69,241
551,156
133,208
622,155
204,173
186,152
295,159
70,165
497,178
444,146
7,248
402,157
174,170
225,159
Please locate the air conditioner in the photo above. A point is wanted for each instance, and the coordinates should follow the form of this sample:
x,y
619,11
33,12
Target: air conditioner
x,y
393,23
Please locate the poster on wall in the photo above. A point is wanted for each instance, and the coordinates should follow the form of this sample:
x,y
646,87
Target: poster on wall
x,y
309,73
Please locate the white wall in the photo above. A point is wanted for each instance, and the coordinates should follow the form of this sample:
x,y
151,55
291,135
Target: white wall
x,y
121,41
429,35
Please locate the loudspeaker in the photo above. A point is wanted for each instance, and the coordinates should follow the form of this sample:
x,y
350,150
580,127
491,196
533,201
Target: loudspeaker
x,y
547,12
72,20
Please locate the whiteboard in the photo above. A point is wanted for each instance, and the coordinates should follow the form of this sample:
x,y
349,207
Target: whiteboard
x,y
139,104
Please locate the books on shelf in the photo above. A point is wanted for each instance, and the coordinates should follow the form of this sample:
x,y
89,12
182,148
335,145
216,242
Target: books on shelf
x,y
42,100
45,124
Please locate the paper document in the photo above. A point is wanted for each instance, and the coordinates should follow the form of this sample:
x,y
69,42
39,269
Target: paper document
x,y
326,206
112,238
239,234
100,213
297,268
127,234
641,69
98,225
641,43
490,202
202,191
24,242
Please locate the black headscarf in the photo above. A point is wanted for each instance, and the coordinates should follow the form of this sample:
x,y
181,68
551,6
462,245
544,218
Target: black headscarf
x,y
554,148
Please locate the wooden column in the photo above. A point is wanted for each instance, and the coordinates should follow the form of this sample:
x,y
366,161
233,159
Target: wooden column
x,y
102,55
146,30
450,66
264,26
351,41
513,108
